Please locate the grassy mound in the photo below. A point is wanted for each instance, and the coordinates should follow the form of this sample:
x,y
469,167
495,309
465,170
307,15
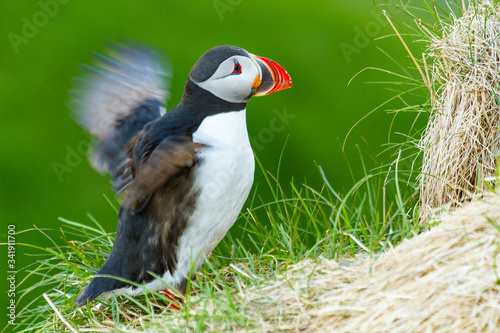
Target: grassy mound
x,y
440,280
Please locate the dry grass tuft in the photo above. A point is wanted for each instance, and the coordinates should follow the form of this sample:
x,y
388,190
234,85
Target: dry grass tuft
x,y
441,280
461,141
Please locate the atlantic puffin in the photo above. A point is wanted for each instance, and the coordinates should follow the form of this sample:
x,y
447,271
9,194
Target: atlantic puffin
x,y
186,173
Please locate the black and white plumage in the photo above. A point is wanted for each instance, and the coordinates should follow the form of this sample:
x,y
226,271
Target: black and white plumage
x,y
186,173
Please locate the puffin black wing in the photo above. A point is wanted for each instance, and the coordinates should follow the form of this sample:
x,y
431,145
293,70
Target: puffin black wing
x,y
116,99
169,158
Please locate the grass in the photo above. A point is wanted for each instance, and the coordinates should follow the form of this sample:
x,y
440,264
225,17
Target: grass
x,y
300,223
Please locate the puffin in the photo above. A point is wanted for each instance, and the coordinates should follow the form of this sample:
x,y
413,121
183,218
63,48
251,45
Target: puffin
x,y
184,174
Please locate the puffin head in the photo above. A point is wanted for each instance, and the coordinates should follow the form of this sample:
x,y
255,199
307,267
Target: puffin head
x,y
234,75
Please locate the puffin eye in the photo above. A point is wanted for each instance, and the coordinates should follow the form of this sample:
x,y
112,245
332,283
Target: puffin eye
x,y
237,68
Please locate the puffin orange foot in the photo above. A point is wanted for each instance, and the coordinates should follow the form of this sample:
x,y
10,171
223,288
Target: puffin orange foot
x,y
168,294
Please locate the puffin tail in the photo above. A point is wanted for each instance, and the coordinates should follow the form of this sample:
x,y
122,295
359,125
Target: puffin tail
x,y
86,295
96,287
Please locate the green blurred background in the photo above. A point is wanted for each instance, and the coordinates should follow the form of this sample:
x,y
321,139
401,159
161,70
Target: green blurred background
x,y
322,44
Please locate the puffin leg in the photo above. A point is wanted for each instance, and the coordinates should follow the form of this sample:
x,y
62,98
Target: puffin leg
x,y
168,294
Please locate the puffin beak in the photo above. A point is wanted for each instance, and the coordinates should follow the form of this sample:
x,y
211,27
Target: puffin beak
x,y
273,77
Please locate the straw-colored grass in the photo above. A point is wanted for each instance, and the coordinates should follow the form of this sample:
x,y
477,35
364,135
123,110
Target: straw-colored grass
x,y
461,141
439,281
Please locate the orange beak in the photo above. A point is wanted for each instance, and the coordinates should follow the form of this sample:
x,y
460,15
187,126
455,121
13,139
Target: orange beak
x,y
274,77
